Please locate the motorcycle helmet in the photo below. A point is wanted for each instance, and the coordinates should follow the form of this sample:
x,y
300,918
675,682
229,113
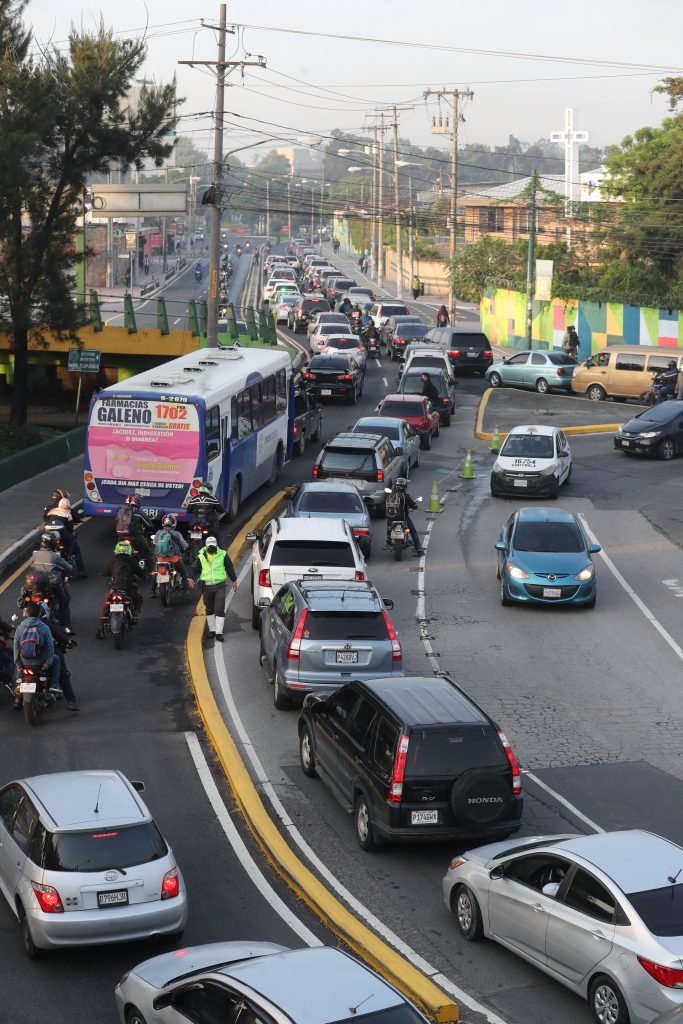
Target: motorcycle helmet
x,y
35,582
211,542
124,547
48,541
169,520
58,494
65,504
42,611
133,499
401,483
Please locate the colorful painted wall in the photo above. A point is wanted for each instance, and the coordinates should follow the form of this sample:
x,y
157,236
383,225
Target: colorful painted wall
x,y
503,318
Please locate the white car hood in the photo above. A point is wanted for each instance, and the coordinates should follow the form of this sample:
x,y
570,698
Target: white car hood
x,y
517,464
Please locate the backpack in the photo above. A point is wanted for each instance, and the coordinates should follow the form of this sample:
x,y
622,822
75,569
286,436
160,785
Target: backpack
x,y
124,519
30,645
165,545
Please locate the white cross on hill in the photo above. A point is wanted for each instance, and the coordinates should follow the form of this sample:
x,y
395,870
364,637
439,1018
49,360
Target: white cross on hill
x,y
571,139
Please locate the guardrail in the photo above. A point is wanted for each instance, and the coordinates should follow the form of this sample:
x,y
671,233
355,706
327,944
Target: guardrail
x,y
46,455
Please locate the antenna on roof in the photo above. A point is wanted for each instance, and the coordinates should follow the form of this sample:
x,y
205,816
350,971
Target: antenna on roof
x,y
354,1009
97,802
673,878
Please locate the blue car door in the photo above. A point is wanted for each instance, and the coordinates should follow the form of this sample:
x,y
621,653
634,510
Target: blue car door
x,y
514,370
536,367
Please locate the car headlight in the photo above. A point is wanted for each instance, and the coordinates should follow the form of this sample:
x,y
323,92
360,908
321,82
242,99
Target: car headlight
x,y
548,471
497,468
515,571
651,433
586,574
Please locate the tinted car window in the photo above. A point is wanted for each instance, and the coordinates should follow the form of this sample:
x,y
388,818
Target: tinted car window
x,y
403,408
344,343
560,359
470,340
351,461
342,704
325,329
412,383
385,745
104,848
362,722
589,896
630,361
318,304
660,909
453,749
391,310
312,552
391,432
329,363
209,1004
9,801
548,537
410,330
24,821
537,359
330,501
528,446
658,363
345,626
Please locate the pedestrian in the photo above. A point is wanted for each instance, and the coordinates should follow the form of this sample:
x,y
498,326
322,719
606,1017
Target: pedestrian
x,y
570,341
442,317
127,278
679,383
146,265
366,264
416,287
361,260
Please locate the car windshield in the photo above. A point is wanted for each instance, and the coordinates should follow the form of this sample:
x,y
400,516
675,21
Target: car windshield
x,y
402,1014
549,537
104,848
330,501
329,363
528,446
452,749
349,460
341,625
412,383
312,552
402,409
660,909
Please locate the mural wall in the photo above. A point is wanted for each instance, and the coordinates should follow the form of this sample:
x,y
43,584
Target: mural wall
x,y
503,318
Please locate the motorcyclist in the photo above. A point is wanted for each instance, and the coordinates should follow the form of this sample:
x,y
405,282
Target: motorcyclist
x,y
61,517
36,650
198,272
369,332
6,659
399,506
123,571
204,504
139,529
213,567
57,570
170,544
346,306
56,497
62,642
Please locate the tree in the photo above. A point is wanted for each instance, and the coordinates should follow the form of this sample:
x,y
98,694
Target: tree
x,y
63,117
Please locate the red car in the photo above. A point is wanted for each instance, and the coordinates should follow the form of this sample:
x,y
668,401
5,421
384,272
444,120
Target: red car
x,y
416,410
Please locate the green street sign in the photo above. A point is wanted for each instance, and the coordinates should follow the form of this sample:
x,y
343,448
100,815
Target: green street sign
x,y
84,360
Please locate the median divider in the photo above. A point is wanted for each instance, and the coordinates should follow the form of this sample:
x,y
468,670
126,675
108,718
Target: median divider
x,y
487,435
334,915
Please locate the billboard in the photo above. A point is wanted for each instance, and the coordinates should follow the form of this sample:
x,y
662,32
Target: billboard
x,y
123,201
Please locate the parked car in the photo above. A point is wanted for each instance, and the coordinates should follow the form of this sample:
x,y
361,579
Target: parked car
x,y
308,419
411,384
368,461
303,310
344,344
320,499
404,439
335,377
467,350
317,635
413,758
402,335
542,371
208,984
544,558
69,841
609,904
418,411
533,460
657,431
293,549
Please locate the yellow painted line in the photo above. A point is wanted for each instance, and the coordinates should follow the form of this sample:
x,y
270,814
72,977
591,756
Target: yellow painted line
x,y
277,851
485,435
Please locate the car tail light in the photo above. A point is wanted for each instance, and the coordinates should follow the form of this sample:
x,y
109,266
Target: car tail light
x,y
380,476
670,977
359,532
561,372
399,341
316,470
487,353
398,773
359,351
264,578
170,886
360,576
512,760
445,401
396,652
345,376
309,376
49,899
294,649
296,429
454,352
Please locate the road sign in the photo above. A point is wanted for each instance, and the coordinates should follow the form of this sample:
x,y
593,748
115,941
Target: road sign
x,y
84,360
130,240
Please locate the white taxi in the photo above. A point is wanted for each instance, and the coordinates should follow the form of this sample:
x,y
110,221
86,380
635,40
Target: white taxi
x,y
533,460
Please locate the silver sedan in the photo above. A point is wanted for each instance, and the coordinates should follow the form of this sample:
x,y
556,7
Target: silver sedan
x,y
601,914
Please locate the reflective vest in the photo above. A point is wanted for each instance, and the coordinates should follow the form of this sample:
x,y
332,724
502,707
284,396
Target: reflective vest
x,y
213,569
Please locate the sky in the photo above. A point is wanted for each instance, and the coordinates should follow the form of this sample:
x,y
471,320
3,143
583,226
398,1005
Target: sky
x,y
601,57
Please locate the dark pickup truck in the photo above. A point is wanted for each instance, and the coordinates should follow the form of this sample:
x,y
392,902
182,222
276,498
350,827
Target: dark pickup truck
x,y
308,419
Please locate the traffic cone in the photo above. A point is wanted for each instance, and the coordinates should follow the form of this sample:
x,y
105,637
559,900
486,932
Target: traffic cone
x,y
468,468
495,441
434,503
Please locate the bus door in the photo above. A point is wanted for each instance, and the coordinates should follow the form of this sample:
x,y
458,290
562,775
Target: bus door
x,y
242,443
212,443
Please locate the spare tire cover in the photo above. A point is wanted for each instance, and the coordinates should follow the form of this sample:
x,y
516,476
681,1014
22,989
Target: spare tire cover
x,y
481,798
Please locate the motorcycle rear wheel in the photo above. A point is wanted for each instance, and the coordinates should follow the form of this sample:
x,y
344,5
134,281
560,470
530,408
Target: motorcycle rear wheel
x,y
165,593
398,550
31,713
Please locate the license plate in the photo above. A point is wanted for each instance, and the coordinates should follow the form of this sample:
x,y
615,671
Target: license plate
x,y
325,391
424,817
27,687
552,592
397,533
115,607
521,483
626,444
347,657
114,898
196,534
471,355
312,577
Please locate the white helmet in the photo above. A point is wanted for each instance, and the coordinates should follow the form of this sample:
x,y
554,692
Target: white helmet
x,y
64,503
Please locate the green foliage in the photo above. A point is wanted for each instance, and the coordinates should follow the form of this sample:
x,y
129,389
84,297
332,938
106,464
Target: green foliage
x,y
489,262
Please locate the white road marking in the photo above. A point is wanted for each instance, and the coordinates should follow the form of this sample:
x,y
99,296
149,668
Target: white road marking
x,y
378,364
331,880
242,853
385,382
675,586
639,603
565,803
177,320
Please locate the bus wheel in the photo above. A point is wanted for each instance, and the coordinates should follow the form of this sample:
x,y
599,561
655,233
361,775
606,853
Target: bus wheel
x,y
234,503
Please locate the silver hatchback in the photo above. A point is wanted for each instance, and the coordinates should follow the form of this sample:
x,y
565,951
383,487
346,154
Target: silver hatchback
x,y
317,636
82,862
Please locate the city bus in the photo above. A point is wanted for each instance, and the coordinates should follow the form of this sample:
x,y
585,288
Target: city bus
x,y
223,416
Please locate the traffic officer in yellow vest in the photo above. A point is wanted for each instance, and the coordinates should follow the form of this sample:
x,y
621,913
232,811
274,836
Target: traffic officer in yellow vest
x,y
215,567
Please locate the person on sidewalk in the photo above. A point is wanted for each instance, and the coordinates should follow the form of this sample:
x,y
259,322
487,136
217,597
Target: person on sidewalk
x,y
366,264
570,341
146,265
442,317
215,566
416,287
679,384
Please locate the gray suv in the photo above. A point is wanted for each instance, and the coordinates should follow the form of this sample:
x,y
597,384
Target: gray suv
x,y
368,461
318,635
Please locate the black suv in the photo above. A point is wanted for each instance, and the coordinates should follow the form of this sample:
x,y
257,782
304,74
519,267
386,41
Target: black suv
x,y
303,309
467,350
413,758
335,377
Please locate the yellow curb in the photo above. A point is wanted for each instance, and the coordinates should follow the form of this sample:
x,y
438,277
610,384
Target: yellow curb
x,y
284,861
485,435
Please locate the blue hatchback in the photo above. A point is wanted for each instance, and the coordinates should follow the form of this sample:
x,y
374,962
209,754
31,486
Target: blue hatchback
x,y
544,558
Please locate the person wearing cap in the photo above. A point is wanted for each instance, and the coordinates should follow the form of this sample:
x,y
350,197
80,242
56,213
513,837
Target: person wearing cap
x,y
214,568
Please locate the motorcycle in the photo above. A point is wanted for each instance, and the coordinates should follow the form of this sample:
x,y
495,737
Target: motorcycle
x,y
662,388
354,323
238,250
198,532
247,246
57,531
372,347
198,275
33,690
119,616
399,534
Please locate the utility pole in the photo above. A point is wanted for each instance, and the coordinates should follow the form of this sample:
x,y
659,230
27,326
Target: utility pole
x,y
214,196
322,191
411,228
397,204
267,207
289,208
439,128
531,258
380,206
373,210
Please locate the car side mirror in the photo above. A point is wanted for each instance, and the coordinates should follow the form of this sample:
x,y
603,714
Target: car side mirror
x,y
593,549
138,786
399,450
388,603
251,538
500,545
496,872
